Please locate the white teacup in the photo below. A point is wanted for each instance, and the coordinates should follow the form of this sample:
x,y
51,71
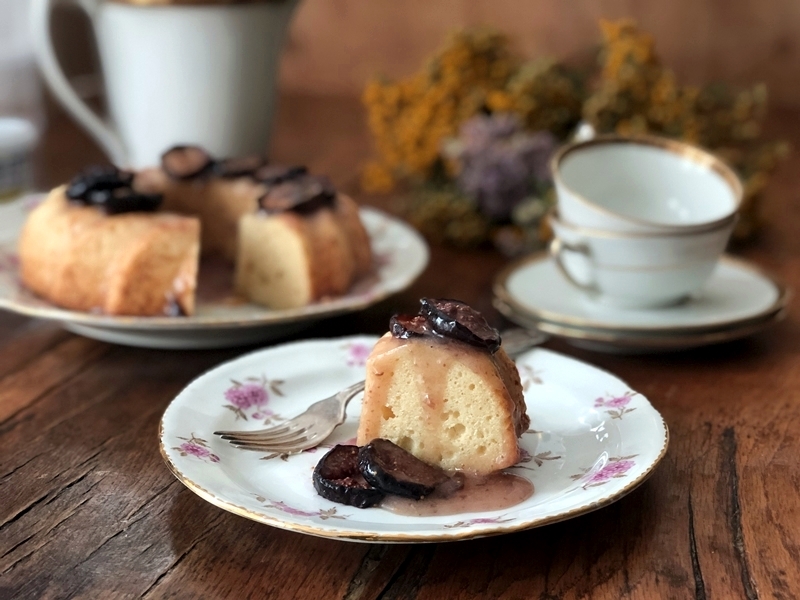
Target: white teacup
x,y
176,74
637,270
643,184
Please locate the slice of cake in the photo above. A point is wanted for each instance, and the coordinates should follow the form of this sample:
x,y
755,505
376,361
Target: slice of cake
x,y
218,192
306,243
123,260
440,386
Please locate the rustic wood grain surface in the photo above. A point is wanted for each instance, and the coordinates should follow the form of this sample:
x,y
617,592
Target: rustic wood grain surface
x,y
89,510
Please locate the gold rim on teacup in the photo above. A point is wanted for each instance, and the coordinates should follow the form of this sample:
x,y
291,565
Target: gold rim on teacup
x,y
682,149
552,215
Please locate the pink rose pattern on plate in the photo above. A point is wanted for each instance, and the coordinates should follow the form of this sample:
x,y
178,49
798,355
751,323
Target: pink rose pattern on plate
x,y
615,468
324,514
478,521
617,405
248,399
357,354
196,447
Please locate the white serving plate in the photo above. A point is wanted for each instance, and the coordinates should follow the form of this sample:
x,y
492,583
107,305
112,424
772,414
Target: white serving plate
x,y
401,255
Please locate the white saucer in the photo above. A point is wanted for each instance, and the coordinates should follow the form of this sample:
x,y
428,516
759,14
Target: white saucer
x,y
737,301
592,441
219,321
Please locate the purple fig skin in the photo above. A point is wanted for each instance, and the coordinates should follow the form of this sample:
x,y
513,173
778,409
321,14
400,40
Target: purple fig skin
x,y
98,177
407,326
304,194
457,320
338,479
109,189
186,162
393,470
124,200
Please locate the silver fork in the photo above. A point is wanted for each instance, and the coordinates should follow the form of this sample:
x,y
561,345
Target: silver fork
x,y
312,427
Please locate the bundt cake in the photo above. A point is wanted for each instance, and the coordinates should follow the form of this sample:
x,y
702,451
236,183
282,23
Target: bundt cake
x,y
440,385
135,263
127,244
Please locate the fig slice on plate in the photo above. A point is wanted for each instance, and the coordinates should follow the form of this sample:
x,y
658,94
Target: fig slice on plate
x,y
186,162
454,319
337,478
98,177
303,194
393,470
122,200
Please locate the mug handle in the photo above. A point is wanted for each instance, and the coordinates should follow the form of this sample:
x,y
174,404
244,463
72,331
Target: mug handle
x,y
557,248
104,135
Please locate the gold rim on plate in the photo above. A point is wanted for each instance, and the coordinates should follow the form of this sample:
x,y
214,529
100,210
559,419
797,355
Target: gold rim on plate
x,y
505,298
633,341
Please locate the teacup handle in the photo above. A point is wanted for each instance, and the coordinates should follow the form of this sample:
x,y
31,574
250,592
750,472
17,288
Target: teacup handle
x,y
103,133
557,248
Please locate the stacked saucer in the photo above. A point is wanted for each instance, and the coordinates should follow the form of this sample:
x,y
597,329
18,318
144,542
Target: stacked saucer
x,y
738,300
636,262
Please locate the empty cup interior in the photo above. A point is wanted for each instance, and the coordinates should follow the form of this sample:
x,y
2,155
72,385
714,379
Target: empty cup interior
x,y
651,184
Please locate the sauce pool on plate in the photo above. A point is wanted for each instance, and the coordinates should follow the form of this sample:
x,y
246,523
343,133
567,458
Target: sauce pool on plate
x,y
478,494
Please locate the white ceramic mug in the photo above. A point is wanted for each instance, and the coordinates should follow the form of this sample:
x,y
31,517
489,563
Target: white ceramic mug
x,y
643,184
176,74
637,270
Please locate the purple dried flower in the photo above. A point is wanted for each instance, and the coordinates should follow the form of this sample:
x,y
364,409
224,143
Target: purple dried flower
x,y
501,162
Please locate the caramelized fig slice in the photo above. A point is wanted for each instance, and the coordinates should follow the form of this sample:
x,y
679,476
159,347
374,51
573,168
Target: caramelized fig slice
x,y
304,194
391,469
98,177
123,200
460,321
337,478
408,326
186,162
239,166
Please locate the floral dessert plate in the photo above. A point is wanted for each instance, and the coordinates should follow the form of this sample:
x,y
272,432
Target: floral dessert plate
x,y
220,318
593,440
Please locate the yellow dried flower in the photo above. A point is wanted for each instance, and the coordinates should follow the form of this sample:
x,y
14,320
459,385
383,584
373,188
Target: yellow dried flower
x,y
410,118
545,95
636,94
376,178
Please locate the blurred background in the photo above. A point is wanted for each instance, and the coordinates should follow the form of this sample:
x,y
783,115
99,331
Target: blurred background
x,y
334,46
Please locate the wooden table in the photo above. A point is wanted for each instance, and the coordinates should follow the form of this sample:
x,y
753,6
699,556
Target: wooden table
x,y
89,510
